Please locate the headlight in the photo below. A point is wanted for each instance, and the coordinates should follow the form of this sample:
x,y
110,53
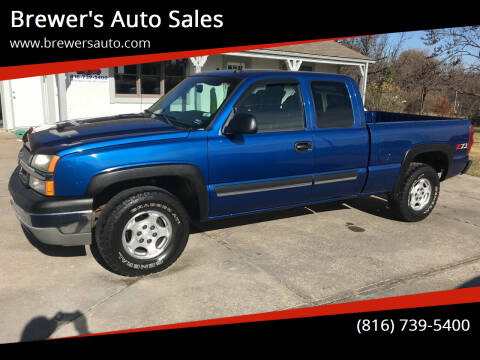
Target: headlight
x,y
37,184
43,187
45,163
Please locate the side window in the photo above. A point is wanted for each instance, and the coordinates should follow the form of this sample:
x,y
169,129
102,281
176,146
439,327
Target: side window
x,y
333,107
276,106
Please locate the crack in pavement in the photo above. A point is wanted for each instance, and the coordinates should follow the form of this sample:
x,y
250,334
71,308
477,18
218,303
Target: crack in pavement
x,y
391,283
62,324
308,301
464,221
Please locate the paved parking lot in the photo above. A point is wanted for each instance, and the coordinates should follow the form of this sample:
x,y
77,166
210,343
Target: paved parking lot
x,y
338,252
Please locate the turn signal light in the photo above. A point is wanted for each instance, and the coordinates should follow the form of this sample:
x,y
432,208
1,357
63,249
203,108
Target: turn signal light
x,y
49,188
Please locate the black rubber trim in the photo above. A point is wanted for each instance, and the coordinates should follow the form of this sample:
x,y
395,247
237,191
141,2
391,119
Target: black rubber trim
x,y
467,167
260,186
446,149
35,203
342,176
186,171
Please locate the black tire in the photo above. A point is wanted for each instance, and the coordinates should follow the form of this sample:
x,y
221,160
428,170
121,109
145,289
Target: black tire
x,y
127,207
412,210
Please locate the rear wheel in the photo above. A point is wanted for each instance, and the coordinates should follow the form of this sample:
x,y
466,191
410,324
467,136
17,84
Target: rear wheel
x,y
418,193
141,231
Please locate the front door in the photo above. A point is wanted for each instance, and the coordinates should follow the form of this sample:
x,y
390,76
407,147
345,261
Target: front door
x,y
270,168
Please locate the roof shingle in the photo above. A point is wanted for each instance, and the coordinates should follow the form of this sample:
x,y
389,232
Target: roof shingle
x,y
322,48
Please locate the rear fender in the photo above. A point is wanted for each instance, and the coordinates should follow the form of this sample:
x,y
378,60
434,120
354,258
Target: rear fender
x,y
414,151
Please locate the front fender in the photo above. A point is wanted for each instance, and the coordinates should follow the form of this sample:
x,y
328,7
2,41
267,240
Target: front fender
x,y
186,171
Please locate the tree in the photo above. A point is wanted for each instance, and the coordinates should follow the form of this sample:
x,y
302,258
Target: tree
x,y
417,73
381,48
453,45
382,92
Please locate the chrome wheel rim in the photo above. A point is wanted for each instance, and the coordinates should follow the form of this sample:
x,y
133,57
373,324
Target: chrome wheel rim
x,y
420,194
146,235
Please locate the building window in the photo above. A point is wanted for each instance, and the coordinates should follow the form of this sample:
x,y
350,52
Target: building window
x,y
151,80
126,79
235,66
175,72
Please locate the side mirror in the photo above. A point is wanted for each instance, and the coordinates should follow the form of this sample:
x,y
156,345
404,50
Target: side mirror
x,y
241,124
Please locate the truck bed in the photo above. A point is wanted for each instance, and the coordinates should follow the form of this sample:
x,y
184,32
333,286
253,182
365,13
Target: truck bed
x,y
373,117
393,135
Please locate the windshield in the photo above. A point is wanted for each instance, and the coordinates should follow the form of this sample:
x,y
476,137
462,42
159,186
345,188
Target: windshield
x,y
194,102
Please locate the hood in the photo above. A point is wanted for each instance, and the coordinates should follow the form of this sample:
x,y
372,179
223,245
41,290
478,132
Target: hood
x,y
71,133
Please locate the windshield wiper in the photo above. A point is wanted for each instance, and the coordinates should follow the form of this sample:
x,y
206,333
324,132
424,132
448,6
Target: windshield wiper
x,y
167,120
173,121
163,116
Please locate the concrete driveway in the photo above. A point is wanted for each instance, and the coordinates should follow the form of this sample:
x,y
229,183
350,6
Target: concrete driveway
x,y
338,252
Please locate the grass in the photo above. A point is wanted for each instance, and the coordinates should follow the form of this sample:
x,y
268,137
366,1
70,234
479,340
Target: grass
x,y
475,153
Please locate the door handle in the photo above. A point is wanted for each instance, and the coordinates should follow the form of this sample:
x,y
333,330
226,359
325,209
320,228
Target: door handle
x,y
303,146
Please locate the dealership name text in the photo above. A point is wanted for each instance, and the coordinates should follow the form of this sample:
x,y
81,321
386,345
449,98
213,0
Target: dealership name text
x,y
176,19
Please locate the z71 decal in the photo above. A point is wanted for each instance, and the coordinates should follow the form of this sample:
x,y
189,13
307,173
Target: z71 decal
x,y
462,146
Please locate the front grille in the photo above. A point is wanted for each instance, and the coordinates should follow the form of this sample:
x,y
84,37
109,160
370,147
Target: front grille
x,y
24,156
23,175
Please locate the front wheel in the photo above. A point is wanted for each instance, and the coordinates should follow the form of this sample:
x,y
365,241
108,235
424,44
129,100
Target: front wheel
x,y
141,232
418,193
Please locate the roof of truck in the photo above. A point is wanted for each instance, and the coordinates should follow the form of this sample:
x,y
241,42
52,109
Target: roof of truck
x,y
256,73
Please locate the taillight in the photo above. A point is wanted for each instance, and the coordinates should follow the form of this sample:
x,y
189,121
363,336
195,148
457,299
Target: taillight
x,y
470,140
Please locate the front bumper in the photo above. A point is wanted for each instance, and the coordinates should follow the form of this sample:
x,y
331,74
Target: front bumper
x,y
53,221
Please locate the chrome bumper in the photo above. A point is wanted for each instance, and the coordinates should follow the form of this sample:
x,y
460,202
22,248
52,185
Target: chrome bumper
x,y
65,229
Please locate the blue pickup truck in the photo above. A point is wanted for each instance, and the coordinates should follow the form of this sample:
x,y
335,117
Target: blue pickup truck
x,y
220,144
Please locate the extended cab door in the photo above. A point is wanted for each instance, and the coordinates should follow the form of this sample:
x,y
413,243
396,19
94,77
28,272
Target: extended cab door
x,y
270,168
340,139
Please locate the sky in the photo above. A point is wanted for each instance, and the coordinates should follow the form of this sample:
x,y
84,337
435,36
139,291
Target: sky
x,y
413,41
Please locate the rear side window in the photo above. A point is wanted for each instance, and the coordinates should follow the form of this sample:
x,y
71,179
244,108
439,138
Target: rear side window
x,y
333,107
276,106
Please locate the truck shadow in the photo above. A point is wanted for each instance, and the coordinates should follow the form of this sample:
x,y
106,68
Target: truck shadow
x,y
377,206
474,282
42,327
252,219
374,205
53,250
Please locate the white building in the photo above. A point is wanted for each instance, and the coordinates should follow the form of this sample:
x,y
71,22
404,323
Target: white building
x,y
129,89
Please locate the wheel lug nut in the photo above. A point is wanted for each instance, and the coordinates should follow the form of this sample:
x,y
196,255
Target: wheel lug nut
x,y
154,234
140,241
139,233
152,227
149,241
144,226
